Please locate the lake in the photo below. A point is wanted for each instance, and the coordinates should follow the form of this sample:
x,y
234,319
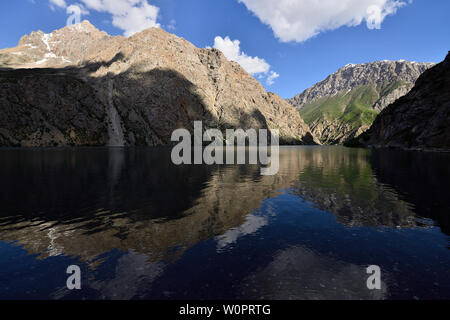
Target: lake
x,y
140,227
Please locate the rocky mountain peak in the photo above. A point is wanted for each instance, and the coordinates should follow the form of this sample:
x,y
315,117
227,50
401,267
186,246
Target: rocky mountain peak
x,y
129,91
66,46
345,104
352,76
84,26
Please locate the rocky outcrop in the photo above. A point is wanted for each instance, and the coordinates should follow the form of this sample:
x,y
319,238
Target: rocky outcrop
x,y
128,91
336,131
393,96
419,120
346,103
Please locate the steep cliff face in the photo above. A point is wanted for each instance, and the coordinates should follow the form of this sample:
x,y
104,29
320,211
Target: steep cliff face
x,y
48,109
419,120
346,103
128,91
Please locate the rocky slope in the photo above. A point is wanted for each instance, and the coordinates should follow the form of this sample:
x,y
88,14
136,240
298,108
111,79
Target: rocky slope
x,y
80,86
346,103
419,120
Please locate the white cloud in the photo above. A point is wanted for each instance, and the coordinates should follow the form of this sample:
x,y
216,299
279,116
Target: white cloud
x,y
58,3
253,65
271,78
77,8
131,16
172,25
232,50
300,20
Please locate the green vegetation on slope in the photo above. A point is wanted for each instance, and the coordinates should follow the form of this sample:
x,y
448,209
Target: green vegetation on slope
x,y
354,107
347,112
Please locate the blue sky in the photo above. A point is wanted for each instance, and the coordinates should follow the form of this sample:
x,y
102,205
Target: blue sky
x,y
288,45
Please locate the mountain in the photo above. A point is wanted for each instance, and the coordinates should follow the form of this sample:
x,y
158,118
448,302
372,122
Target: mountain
x,y
67,46
345,104
420,120
80,86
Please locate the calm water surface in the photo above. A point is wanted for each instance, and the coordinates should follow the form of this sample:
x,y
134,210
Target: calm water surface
x,y
142,228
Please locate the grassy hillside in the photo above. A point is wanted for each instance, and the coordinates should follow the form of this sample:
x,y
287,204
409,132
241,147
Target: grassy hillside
x,y
354,107
352,110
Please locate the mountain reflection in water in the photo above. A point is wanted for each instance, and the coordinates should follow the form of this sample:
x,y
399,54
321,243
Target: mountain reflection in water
x,y
142,228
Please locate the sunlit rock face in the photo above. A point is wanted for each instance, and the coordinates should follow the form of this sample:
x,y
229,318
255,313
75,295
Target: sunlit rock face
x,y
67,46
135,90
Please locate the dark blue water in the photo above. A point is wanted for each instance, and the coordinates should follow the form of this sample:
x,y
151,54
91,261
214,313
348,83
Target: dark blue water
x,y
142,228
